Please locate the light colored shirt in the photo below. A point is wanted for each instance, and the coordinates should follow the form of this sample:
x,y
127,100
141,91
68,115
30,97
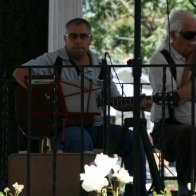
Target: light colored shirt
x,y
70,73
183,111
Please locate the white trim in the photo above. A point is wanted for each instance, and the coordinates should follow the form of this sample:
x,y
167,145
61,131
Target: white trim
x,y
60,11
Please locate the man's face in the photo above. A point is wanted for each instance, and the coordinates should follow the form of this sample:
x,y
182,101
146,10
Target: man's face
x,y
78,40
183,40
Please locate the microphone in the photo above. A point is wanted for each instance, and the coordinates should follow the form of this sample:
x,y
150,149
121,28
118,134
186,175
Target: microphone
x,y
104,60
103,63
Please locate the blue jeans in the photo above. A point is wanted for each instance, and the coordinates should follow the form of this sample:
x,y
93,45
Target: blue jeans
x,y
70,139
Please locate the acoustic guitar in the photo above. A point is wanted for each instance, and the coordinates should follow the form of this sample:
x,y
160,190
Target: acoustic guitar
x,y
37,117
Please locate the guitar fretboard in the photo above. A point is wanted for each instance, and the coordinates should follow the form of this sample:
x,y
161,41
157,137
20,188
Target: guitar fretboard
x,y
123,100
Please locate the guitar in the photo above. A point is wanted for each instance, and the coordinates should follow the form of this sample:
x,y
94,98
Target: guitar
x,y
159,98
126,103
169,98
43,110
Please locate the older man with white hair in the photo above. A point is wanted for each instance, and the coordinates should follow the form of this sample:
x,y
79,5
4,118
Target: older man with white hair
x,y
172,134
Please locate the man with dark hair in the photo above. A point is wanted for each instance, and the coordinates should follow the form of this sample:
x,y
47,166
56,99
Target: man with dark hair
x,y
76,54
174,139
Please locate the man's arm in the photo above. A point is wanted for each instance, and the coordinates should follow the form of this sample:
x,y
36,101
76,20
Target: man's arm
x,y
19,74
185,92
45,59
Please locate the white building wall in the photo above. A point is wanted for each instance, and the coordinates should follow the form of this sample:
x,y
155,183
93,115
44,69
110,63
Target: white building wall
x,y
60,11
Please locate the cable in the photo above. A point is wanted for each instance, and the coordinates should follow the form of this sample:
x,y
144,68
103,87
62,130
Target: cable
x,y
193,4
169,37
121,85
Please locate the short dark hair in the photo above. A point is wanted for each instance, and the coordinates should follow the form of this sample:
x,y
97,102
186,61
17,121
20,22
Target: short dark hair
x,y
77,21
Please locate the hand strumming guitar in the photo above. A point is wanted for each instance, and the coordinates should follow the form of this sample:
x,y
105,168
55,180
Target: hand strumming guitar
x,y
19,74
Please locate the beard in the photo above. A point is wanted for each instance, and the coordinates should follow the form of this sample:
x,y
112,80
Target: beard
x,y
77,52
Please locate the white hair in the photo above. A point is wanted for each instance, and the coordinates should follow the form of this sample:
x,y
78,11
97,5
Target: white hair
x,y
176,19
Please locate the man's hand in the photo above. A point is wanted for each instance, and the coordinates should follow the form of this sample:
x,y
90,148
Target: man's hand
x,y
19,74
186,86
191,58
146,104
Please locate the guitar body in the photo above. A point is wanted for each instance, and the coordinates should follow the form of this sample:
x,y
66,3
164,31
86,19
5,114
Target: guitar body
x,y
42,111
42,119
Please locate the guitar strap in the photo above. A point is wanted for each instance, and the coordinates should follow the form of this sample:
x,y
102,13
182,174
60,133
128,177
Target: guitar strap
x,y
171,62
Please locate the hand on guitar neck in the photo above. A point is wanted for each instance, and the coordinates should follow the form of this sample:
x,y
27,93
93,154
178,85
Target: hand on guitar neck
x,y
146,104
127,103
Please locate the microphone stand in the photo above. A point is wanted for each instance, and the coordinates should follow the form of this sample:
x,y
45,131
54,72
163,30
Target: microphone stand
x,y
136,109
193,135
163,94
136,64
105,76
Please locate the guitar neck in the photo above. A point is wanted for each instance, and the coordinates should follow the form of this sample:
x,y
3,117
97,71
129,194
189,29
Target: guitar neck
x,y
123,100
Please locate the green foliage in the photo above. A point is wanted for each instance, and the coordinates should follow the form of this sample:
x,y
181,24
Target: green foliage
x,y
113,25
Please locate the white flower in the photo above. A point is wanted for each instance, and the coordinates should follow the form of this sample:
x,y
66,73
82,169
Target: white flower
x,y
6,190
123,176
103,174
93,179
18,187
105,163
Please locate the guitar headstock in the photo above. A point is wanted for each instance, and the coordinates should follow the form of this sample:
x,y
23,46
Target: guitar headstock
x,y
171,98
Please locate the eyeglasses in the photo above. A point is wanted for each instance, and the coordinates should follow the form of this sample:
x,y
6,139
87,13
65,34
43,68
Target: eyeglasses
x,y
188,35
74,36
